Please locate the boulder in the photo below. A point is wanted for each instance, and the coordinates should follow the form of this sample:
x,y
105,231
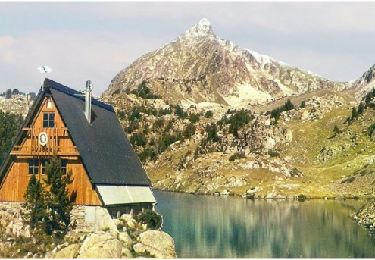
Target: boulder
x,y
125,239
70,251
128,220
126,253
155,243
225,193
101,245
270,143
305,115
105,222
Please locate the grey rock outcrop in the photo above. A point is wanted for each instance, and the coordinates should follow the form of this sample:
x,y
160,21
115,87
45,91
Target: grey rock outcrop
x,y
156,243
71,251
366,216
100,245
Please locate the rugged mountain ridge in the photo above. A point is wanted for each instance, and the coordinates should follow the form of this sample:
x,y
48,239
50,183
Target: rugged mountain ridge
x,y
365,83
248,124
199,67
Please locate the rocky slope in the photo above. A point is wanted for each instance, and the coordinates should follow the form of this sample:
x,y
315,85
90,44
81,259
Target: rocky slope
x,y
206,116
273,152
200,68
366,216
365,83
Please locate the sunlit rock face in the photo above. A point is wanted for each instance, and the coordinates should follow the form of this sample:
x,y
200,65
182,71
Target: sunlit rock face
x,y
200,67
365,83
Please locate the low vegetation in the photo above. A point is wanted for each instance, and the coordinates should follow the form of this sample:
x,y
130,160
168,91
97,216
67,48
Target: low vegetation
x,y
276,113
151,218
48,202
236,120
236,156
9,125
144,92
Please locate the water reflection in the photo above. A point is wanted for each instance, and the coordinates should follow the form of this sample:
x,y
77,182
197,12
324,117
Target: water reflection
x,y
206,226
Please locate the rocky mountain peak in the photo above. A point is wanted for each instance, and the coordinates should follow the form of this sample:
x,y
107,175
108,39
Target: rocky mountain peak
x,y
199,68
368,76
365,83
202,29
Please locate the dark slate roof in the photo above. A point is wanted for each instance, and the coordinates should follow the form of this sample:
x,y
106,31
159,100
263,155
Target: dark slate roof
x,y
104,148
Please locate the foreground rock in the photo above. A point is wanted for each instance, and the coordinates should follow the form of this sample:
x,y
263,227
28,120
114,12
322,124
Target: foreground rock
x,y
156,243
101,245
366,216
108,238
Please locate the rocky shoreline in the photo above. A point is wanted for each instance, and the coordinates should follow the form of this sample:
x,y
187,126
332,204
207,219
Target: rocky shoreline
x,y
124,237
251,194
366,216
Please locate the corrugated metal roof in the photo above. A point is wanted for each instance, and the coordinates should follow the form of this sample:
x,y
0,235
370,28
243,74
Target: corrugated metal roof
x,y
114,195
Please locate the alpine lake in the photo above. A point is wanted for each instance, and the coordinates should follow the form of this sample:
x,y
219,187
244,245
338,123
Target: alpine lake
x,y
230,227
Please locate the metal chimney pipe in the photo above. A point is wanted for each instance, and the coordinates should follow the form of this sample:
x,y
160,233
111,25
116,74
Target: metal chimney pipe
x,y
88,97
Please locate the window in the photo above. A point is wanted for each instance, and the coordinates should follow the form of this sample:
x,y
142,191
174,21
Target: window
x,y
48,119
63,165
33,166
44,165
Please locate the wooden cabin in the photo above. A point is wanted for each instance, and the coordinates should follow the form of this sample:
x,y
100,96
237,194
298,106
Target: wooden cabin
x,y
88,138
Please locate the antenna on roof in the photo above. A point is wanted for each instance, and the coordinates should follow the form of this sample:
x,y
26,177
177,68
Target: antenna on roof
x,y
44,69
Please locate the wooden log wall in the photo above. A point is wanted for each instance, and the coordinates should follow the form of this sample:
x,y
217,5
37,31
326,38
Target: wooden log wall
x,y
14,184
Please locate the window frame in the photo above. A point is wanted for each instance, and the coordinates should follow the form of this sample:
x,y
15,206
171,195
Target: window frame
x,y
49,119
43,165
34,167
63,167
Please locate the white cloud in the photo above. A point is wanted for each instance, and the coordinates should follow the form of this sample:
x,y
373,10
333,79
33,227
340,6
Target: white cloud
x,y
74,57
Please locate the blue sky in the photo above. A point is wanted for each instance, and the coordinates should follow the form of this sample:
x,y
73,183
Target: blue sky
x,y
95,40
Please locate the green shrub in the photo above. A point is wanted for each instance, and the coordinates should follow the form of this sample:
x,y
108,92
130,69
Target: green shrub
x,y
151,218
166,140
159,123
50,204
135,114
144,92
236,156
138,139
148,153
212,133
133,125
273,153
276,113
336,130
208,114
121,115
193,118
239,119
361,108
180,113
301,197
371,129
9,125
189,131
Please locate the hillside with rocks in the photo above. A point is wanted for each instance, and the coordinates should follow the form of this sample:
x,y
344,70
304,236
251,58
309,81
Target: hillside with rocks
x,y
206,116
199,68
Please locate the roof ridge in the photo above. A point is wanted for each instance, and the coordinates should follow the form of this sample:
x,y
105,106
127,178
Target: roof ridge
x,y
48,83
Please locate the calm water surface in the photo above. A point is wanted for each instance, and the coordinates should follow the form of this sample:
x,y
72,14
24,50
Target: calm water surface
x,y
208,226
